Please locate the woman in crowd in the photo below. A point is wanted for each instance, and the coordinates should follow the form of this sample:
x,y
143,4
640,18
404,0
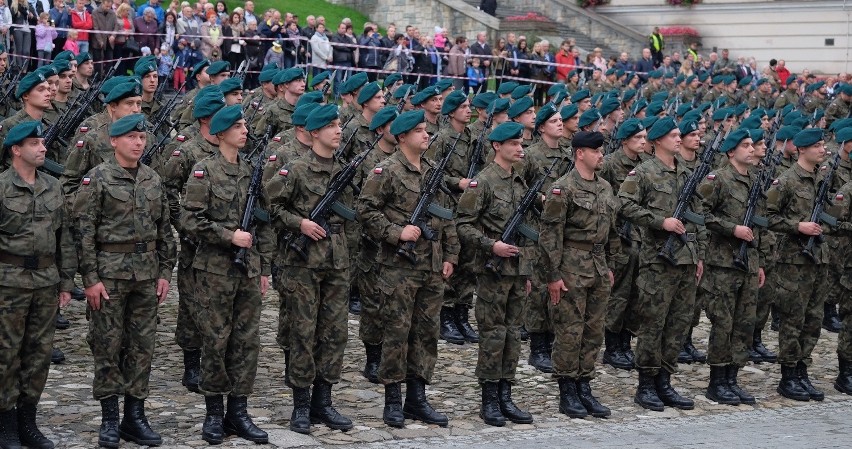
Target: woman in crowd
x,y
146,29
522,54
61,20
499,62
233,44
222,12
320,49
211,38
370,57
686,68
294,51
125,31
169,29
23,15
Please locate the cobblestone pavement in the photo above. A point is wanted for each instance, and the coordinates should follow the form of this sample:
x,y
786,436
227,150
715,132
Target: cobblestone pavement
x,y
70,416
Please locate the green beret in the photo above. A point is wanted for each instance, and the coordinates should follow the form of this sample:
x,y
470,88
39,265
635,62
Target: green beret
x,y
690,79
846,89
589,117
65,55
718,79
722,114
586,139
688,126
506,131
807,137
629,128
546,111
683,109
730,79
720,102
649,121
207,102
817,114
452,101
837,125
499,105
555,89
286,76
669,75
126,124
354,83
786,110
801,123
407,121
660,96
568,111
383,117
425,94
759,112
268,73
482,100
402,91
114,81
230,85
521,91
301,113
48,70
655,107
321,116
218,67
225,118
815,86
560,97
679,79
786,133
639,105
746,81
740,109
752,122
761,82
198,67
320,77
62,66
391,79
702,76
572,74
619,73
756,135
792,78
580,95
520,106
791,117
844,135
596,98
609,106
734,139
21,131
310,97
124,90
369,91
694,114
145,65
628,95
506,88
654,74
661,127
609,71
444,84
83,57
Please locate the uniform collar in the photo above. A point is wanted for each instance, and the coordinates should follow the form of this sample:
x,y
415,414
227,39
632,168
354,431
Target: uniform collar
x,y
37,188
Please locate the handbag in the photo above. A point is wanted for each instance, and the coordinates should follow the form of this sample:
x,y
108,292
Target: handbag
x,y
132,46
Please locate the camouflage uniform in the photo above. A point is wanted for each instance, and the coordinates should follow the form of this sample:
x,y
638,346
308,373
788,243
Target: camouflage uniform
x,y
411,294
9,123
812,103
151,109
126,242
577,223
227,302
279,114
32,225
759,99
838,109
842,209
785,98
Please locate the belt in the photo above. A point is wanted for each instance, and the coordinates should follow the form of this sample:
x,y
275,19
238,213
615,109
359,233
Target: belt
x,y
335,228
28,262
128,248
594,248
690,236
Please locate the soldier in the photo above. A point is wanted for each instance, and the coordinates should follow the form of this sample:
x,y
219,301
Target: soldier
x,y
85,70
582,99
232,89
34,92
801,292
322,79
390,84
198,75
284,150
38,260
570,124
790,94
730,283
577,224
480,103
267,89
666,291
589,121
523,112
762,97
841,107
411,293
612,115
619,323
290,85
843,212
214,74
483,211
430,101
357,133
818,98
127,253
146,70
349,91
654,85
59,102
227,299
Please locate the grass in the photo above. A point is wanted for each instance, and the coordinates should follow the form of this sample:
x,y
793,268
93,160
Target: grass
x,y
333,14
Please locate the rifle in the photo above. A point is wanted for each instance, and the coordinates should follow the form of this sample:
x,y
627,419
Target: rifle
x,y
401,105
425,206
241,70
148,155
751,219
818,214
12,86
682,211
251,210
515,226
476,160
165,111
614,142
329,203
328,84
338,153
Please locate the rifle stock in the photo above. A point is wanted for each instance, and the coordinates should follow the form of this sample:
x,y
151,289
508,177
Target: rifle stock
x,y
254,190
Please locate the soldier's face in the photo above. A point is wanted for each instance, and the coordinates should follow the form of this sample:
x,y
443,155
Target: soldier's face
x,y
4,61
743,154
126,106
590,158
500,117
53,81
509,151
86,69
764,123
236,135
203,77
329,135
216,79
39,96
552,127
376,103
128,148
417,139
235,97
759,152
691,141
572,124
702,127
527,118
670,143
31,151
636,143
433,104
584,105
462,113
65,82
295,87
149,82
814,154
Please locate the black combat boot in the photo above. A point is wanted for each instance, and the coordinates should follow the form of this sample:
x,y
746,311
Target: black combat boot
x,y
718,389
613,354
417,407
463,324
354,301
843,383
374,357
134,425
61,321
489,411
449,331
776,318
589,401
539,356
300,420
287,368
696,355
108,433
667,394
765,353
525,335
322,411
213,430
789,386
28,431
78,294
646,393
830,319
626,336
57,356
731,372
392,414
805,381
238,422
569,402
9,430
508,407
192,370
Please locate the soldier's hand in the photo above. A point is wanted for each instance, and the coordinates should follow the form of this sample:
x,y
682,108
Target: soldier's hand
x,y
311,229
463,183
241,239
64,298
611,278
528,287
501,249
761,277
410,233
810,228
162,290
672,224
699,271
555,290
743,233
264,285
448,270
94,295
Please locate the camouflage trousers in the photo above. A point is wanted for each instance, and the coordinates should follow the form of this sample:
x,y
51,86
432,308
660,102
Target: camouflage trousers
x,y
766,298
411,302
666,302
801,294
578,322
318,308
499,308
536,313
186,332
27,324
835,268
621,308
227,311
284,325
459,289
731,306
371,328
122,336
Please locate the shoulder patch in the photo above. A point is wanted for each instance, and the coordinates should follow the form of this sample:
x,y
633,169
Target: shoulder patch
x,y
175,153
711,176
198,174
377,170
473,184
84,129
273,158
632,173
283,172
276,139
87,181
79,144
839,197
823,168
556,191
775,182
181,138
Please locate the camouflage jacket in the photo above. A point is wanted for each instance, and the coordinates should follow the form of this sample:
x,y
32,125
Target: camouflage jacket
x,y
459,163
539,157
760,100
178,168
789,202
9,123
785,98
616,166
182,113
283,154
33,223
151,109
359,131
346,111
277,113
115,208
838,109
812,103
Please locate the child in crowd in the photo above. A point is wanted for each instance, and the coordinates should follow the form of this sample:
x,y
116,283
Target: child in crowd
x,y
475,77
146,51
71,43
165,63
182,58
275,55
45,33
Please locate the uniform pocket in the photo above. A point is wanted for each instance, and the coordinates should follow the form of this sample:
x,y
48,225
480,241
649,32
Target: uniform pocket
x,y
223,198
154,198
16,211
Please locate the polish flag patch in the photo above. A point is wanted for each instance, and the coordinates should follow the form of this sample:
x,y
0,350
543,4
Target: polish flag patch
x,y
711,176
839,197
198,173
632,173
377,170
84,129
175,153
276,139
556,191
87,181
273,158
283,172
79,144
181,138
473,184
775,182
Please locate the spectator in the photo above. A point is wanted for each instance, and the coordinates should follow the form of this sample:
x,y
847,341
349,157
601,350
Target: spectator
x,y
6,24
169,29
440,40
44,34
676,61
644,65
294,51
165,61
421,62
783,72
24,15
102,43
61,20
498,60
310,27
350,34
370,57
181,63
159,13
388,41
435,60
233,44
320,49
598,60
623,63
71,43
342,55
82,21
488,7
666,66
131,4
475,77
211,38
275,55
124,33
146,28
271,29
686,68
249,12
522,55
188,25
456,66
657,45
564,61
481,49
253,53
402,55
222,12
